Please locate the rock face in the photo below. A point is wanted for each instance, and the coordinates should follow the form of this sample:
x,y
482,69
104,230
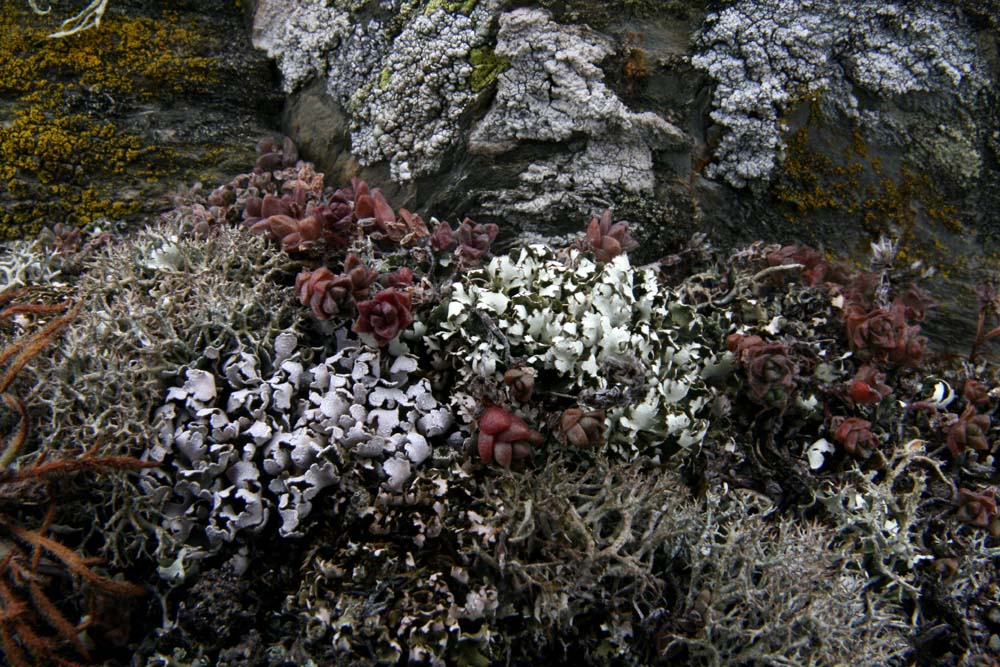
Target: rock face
x,y
97,127
825,122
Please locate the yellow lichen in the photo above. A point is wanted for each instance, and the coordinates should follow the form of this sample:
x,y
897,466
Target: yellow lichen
x,y
68,154
848,184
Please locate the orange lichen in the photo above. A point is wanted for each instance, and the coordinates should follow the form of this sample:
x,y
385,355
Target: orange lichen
x,y
819,178
68,155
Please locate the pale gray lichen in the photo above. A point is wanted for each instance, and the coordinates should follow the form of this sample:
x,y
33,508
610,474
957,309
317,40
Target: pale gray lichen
x,y
151,303
410,116
602,327
766,56
405,93
24,263
266,434
780,591
555,90
299,35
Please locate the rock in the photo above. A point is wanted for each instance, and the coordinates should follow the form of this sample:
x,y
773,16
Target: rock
x,y
99,127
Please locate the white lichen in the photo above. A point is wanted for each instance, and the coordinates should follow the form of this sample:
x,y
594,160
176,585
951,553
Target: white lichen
x,y
245,443
607,328
554,90
408,113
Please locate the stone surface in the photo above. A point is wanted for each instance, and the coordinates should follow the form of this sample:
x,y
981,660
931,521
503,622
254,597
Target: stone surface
x,y
97,128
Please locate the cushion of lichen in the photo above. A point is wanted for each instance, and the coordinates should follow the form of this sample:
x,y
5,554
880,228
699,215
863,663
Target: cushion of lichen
x,y
69,154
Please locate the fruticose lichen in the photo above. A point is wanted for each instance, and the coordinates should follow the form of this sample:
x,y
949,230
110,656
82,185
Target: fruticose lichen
x,y
151,305
766,57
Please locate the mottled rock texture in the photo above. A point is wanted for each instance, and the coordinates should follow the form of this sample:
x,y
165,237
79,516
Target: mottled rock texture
x,y
825,122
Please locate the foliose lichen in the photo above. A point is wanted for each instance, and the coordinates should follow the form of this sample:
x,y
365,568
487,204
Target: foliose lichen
x,y
600,327
152,304
256,437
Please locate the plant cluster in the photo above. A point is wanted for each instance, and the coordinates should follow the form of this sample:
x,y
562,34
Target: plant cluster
x,y
33,562
759,462
849,414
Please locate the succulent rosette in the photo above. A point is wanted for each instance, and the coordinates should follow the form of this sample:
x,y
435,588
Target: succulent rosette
x,y
385,315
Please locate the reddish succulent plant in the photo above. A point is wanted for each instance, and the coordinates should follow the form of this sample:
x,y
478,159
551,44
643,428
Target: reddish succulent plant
x,y
608,240
324,292
868,387
272,154
770,371
329,294
505,437
296,234
816,270
259,209
443,238
744,347
855,435
969,432
521,381
916,302
771,374
977,509
401,277
581,429
385,315
474,240
337,219
408,230
884,334
976,393
372,211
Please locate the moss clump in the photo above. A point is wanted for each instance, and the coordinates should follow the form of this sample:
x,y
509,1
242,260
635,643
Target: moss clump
x,y
486,67
72,153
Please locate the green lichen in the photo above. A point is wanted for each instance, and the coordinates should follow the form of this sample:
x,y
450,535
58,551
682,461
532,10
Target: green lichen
x,y
383,78
465,7
486,67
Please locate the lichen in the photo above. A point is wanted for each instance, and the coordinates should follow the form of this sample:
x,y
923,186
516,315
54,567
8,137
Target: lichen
x,y
764,56
554,90
152,304
263,434
412,120
462,7
821,179
63,163
604,328
486,67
